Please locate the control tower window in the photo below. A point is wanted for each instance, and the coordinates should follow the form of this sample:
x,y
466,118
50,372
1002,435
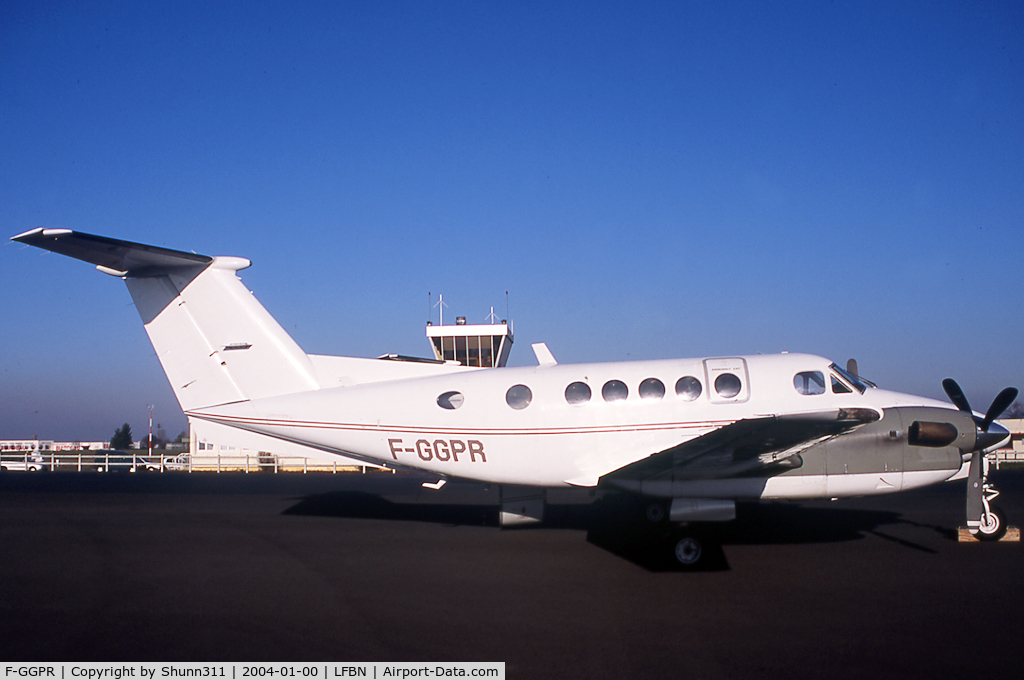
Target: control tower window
x,y
614,390
518,397
652,388
688,388
445,348
450,400
577,393
809,382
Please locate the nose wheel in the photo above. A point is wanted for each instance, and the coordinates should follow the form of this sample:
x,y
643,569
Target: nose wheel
x,y
992,526
985,520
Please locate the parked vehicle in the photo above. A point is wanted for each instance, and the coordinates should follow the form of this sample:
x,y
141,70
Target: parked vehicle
x,y
122,461
13,460
179,462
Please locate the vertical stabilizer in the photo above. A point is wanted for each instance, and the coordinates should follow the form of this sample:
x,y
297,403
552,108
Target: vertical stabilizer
x,y
216,342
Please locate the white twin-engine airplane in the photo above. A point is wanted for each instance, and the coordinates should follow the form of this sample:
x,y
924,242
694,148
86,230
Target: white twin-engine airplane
x,y
689,436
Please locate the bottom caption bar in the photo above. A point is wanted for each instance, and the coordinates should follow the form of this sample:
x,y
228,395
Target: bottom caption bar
x,y
243,671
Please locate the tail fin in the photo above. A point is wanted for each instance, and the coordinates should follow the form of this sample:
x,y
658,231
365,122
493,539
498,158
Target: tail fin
x,y
216,342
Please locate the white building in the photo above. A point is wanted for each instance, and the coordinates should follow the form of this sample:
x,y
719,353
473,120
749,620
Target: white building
x,y
26,445
1014,450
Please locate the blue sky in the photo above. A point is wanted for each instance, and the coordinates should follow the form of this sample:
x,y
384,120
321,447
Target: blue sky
x,y
646,180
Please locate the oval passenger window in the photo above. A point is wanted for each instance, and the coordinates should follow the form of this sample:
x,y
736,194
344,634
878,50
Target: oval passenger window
x,y
614,390
518,397
577,393
450,400
727,385
688,388
652,388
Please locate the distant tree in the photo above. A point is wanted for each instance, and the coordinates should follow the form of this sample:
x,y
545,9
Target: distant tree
x,y
182,438
1016,410
122,439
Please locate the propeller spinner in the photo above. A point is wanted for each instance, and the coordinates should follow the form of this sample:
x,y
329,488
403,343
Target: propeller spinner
x,y
1002,401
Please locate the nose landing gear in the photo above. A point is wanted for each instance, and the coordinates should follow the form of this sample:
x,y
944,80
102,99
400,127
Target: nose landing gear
x,y
985,520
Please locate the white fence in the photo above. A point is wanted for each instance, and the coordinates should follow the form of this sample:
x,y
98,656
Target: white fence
x,y
109,461
139,461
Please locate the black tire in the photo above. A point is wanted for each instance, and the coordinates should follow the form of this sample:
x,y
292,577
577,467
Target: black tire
x,y
656,512
993,527
687,550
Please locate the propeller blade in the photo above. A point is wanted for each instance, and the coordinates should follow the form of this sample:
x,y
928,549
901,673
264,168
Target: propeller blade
x,y
999,404
956,395
851,368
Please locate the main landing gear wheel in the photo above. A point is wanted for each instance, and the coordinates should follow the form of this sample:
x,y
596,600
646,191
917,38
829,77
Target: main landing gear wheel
x,y
993,525
688,551
656,512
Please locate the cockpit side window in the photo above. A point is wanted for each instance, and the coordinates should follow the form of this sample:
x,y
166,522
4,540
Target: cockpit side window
x,y
809,382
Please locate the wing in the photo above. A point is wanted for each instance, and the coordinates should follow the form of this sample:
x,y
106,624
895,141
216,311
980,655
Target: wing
x,y
753,447
112,256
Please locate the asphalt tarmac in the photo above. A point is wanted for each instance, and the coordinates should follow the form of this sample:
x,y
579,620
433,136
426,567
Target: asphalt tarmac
x,y
320,567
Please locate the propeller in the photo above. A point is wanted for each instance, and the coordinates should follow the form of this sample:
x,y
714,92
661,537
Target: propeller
x,y
956,395
984,520
999,404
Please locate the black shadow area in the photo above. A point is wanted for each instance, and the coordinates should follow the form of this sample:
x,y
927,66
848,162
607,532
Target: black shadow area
x,y
616,522
364,505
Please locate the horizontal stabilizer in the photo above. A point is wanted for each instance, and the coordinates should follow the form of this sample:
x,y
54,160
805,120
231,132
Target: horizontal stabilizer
x,y
216,342
111,255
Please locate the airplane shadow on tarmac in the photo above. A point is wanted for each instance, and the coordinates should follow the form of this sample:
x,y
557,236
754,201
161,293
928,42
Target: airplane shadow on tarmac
x,y
615,523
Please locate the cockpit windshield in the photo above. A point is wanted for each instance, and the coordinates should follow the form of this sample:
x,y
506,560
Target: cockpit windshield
x,y
860,384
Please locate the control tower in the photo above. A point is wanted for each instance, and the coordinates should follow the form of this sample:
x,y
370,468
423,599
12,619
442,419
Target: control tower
x,y
484,345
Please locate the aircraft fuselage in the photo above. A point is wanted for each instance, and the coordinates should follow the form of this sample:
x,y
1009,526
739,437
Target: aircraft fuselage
x,y
569,425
